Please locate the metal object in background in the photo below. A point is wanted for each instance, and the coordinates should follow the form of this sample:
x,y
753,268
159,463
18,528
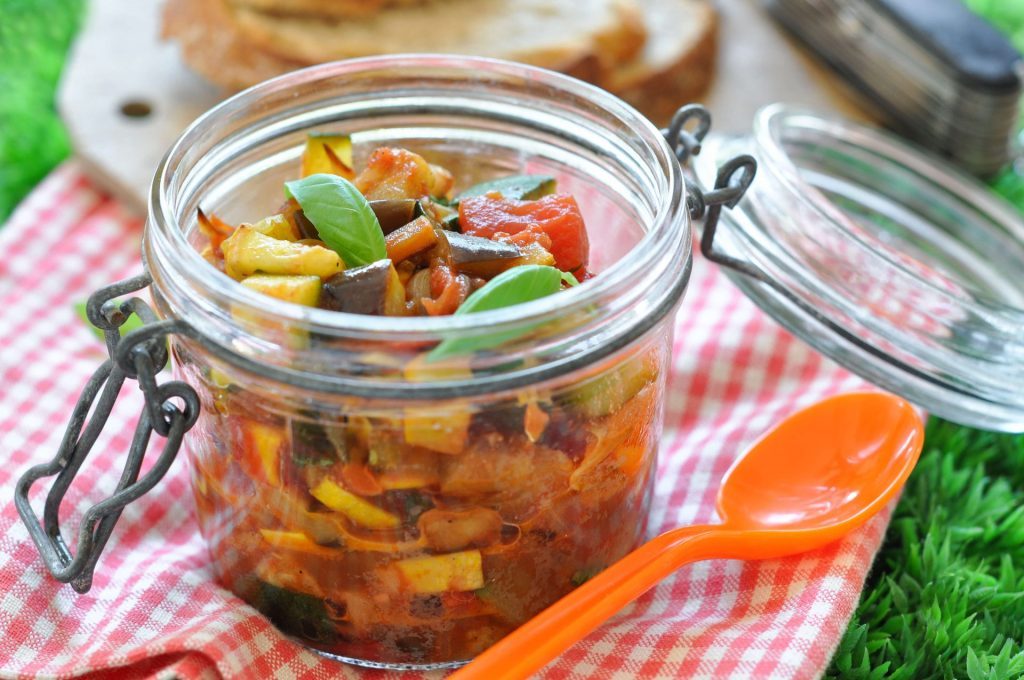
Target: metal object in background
x,y
940,74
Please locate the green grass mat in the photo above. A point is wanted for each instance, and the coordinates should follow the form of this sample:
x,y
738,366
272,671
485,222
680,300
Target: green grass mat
x,y
946,596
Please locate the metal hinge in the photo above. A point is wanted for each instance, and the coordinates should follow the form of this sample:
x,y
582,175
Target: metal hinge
x,y
689,126
171,409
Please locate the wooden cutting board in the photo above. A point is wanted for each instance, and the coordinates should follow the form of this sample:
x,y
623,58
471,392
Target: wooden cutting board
x,y
126,95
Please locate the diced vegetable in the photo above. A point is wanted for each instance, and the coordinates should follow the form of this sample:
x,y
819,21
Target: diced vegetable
x,y
518,187
443,181
450,291
607,393
249,252
557,214
295,541
371,289
277,226
438,429
355,508
394,297
440,573
328,153
301,290
214,228
442,432
448,530
478,256
410,240
295,613
360,480
362,290
264,442
407,479
316,444
398,173
535,421
395,212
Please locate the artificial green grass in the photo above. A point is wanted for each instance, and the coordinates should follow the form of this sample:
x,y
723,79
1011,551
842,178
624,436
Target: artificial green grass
x,y
946,596
34,37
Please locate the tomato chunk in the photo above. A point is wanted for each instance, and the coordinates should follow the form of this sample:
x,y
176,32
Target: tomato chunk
x,y
557,215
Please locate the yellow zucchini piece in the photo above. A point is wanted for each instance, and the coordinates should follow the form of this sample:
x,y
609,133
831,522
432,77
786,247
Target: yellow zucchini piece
x,y
249,252
266,442
276,226
403,480
315,157
361,512
296,541
441,430
441,573
301,290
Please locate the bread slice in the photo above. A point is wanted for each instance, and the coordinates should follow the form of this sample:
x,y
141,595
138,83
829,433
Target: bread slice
x,y
338,9
213,47
600,34
676,64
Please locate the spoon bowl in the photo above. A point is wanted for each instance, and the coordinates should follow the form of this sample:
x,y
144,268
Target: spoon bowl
x,y
820,473
809,481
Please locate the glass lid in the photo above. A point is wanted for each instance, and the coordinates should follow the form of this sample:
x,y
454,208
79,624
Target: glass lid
x,y
884,258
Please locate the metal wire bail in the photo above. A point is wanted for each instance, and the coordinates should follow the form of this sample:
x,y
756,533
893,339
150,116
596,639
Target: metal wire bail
x,y
171,410
685,134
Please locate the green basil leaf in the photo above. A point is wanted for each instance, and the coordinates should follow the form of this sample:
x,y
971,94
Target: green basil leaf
x,y
511,287
342,216
569,279
519,187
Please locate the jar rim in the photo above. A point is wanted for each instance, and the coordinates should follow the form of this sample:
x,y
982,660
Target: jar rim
x,y
665,245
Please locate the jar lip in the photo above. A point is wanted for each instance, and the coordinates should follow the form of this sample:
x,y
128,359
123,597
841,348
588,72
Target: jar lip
x,y
670,211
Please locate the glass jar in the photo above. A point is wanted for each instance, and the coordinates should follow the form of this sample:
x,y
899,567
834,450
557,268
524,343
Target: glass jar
x,y
388,511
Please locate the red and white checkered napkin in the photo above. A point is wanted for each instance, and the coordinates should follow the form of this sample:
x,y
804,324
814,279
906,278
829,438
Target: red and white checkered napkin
x,y
155,610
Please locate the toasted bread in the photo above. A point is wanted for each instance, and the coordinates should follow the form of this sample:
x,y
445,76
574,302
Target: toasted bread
x,y
673,66
212,46
548,33
676,64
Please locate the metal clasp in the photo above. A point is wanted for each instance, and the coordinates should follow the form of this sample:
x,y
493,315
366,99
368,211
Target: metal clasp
x,y
689,126
171,410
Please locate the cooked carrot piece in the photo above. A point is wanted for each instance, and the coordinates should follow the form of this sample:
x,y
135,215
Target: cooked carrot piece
x,y
358,479
411,239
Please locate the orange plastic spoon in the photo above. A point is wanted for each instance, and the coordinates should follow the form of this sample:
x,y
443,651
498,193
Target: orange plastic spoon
x,y
816,476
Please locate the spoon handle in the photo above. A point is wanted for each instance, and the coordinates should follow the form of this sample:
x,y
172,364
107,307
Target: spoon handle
x,y
544,637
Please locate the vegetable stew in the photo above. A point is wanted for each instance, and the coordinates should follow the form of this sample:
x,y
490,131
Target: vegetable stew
x,y
418,535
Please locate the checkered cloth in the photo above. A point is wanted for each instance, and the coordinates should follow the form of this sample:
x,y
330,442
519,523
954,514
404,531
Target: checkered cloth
x,y
155,609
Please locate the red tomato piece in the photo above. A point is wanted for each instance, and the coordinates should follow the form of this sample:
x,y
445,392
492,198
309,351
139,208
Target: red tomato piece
x,y
557,215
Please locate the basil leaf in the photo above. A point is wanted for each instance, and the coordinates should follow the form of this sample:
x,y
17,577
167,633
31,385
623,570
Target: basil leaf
x,y
519,187
342,216
569,279
511,287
